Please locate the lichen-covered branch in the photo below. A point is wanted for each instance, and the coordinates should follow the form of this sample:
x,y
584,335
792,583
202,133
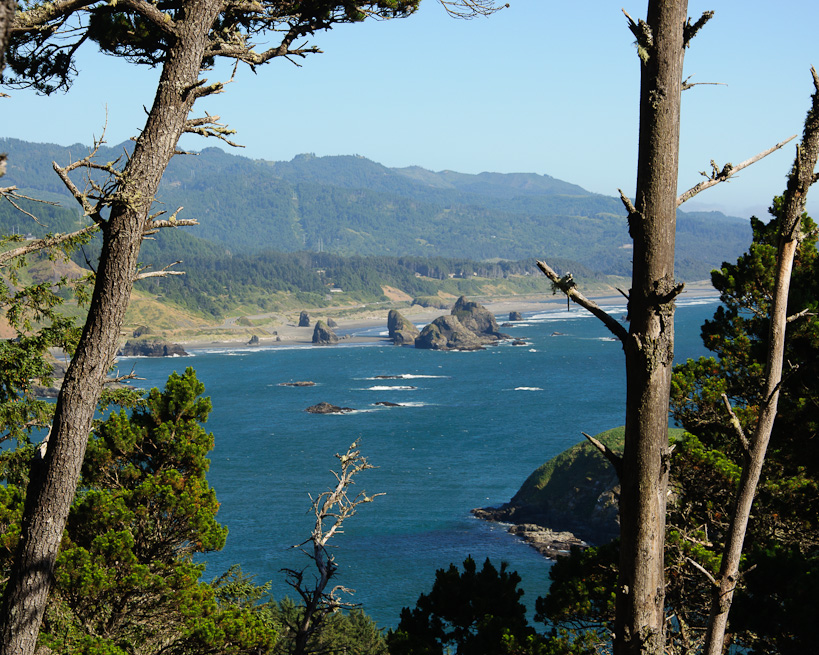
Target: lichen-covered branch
x,y
569,287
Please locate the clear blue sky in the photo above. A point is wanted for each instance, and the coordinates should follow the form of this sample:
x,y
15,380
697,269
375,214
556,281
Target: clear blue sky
x,y
542,87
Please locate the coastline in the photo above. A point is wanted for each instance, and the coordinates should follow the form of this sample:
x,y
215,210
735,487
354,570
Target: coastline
x,y
290,335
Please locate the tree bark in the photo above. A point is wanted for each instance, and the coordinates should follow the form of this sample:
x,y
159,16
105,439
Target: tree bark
x,y
54,480
799,182
7,8
649,348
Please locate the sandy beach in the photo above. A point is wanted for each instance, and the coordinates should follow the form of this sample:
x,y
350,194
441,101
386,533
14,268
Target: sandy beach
x,y
289,334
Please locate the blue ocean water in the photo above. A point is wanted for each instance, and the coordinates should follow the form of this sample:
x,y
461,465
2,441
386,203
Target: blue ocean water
x,y
471,428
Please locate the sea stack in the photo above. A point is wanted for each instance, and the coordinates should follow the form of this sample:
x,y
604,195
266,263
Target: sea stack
x,y
323,335
402,332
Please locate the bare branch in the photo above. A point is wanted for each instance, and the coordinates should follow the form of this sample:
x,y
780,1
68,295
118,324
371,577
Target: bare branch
x,y
468,9
746,446
615,459
572,293
48,242
10,194
688,85
690,31
727,172
802,314
210,126
703,570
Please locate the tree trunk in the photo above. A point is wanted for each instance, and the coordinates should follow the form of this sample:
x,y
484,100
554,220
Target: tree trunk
x,y
54,480
7,9
790,221
649,349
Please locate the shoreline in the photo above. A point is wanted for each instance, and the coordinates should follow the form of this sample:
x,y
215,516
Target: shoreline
x,y
290,335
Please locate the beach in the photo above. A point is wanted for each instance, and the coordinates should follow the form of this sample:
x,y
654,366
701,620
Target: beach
x,y
288,333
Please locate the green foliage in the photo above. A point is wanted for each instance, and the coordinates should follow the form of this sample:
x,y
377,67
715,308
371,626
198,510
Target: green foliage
x,y
125,581
352,632
476,612
782,534
353,206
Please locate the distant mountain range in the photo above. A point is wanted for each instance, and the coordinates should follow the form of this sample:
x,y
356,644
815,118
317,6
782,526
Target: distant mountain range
x,y
349,205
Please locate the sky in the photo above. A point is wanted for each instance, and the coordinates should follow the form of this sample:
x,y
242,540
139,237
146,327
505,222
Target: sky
x,y
541,87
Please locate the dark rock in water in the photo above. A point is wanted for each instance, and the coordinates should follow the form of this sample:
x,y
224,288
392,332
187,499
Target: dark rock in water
x,y
152,348
474,316
327,408
557,334
515,316
547,542
331,323
254,341
402,332
518,342
386,403
323,335
304,319
507,324
447,333
298,383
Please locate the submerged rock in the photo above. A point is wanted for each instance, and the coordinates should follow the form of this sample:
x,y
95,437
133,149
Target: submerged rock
x,y
298,383
401,331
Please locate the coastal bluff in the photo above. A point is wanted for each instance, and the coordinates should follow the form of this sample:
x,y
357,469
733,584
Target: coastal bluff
x,y
570,500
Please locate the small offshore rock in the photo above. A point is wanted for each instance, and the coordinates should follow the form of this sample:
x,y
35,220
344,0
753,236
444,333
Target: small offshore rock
x,y
386,403
254,341
515,316
298,383
152,348
304,319
327,408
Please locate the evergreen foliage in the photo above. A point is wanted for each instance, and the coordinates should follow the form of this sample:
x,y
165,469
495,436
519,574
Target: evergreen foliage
x,y
125,580
353,206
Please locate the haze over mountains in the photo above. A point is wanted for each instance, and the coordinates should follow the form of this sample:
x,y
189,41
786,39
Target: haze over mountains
x,y
349,205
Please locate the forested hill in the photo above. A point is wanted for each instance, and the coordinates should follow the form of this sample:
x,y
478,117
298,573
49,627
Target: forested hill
x,y
350,205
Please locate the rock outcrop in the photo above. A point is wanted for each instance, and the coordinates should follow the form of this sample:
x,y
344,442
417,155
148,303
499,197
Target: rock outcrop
x,y
574,494
448,333
151,348
304,319
474,316
254,340
298,383
327,408
323,335
515,316
331,323
401,331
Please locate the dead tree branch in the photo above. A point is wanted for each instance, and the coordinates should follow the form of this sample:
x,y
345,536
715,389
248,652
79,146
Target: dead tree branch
x,y
569,287
615,459
331,509
716,176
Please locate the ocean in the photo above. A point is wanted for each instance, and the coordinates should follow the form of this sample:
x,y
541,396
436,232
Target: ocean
x,y
471,427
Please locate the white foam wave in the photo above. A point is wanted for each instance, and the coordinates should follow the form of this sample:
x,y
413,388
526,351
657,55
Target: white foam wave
x,y
380,387
528,389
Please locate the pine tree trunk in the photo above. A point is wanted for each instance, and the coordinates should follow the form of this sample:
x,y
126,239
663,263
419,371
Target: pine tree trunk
x,y
54,480
639,620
